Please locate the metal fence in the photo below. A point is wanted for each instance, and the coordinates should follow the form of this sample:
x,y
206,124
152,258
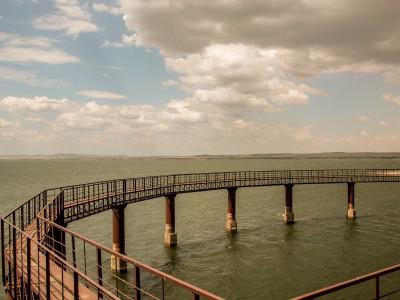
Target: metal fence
x,y
64,264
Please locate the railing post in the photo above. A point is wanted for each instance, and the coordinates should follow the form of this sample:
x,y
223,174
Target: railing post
x,y
38,229
196,296
48,291
138,293
124,190
73,251
3,260
99,272
14,237
377,293
21,218
29,268
76,286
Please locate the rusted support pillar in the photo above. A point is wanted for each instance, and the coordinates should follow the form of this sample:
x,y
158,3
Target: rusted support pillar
x,y
170,237
288,216
351,211
118,220
231,223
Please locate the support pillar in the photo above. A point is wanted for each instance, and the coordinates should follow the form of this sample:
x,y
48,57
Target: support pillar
x,y
170,236
351,211
118,224
288,215
231,223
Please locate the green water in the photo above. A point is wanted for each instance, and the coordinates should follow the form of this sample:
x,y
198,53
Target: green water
x,y
266,259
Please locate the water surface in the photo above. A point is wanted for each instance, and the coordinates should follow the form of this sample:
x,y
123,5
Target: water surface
x,y
266,259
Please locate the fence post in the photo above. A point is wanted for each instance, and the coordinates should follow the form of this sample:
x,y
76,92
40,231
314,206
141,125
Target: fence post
x,y
99,272
3,261
76,286
48,291
377,296
29,268
21,218
124,189
14,237
138,293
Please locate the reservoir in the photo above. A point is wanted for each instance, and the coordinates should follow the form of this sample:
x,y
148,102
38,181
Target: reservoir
x,y
266,259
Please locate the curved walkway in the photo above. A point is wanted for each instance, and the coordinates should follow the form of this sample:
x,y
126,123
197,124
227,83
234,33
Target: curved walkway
x,y
41,258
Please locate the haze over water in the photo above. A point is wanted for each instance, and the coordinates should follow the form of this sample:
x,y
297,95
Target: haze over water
x,y
266,259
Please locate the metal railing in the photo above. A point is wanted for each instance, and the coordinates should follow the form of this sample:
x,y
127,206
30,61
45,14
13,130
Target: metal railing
x,y
88,256
375,276
40,221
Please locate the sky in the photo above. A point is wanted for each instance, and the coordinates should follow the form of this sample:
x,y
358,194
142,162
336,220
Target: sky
x,y
165,77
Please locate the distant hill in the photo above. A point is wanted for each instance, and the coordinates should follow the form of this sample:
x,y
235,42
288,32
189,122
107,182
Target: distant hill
x,y
330,155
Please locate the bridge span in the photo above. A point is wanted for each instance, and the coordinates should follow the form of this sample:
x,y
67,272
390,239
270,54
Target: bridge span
x,y
43,259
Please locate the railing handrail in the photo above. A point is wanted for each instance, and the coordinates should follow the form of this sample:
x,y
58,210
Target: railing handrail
x,y
282,176
43,246
141,265
348,283
208,173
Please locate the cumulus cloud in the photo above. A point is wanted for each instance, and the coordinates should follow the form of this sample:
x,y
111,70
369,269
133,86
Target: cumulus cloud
x,y
363,119
126,40
392,99
237,78
69,17
35,104
100,94
28,78
104,8
26,49
383,123
309,37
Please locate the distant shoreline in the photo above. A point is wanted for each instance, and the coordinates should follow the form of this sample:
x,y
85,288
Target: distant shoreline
x,y
325,155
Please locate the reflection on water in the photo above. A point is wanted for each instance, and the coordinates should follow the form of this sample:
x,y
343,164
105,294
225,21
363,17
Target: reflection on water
x,y
266,259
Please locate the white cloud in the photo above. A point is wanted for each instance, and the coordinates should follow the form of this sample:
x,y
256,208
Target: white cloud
x,y
35,104
5,124
27,77
169,83
237,78
383,123
392,99
103,8
126,40
69,17
308,36
101,95
363,119
26,49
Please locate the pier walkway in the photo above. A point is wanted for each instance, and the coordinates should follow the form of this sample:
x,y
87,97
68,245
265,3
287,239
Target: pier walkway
x,y
43,259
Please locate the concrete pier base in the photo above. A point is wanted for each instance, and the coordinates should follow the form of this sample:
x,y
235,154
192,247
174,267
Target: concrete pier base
x,y
117,264
288,215
351,211
118,216
170,236
231,223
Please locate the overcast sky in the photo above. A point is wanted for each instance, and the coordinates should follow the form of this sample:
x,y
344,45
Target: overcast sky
x,y
184,77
